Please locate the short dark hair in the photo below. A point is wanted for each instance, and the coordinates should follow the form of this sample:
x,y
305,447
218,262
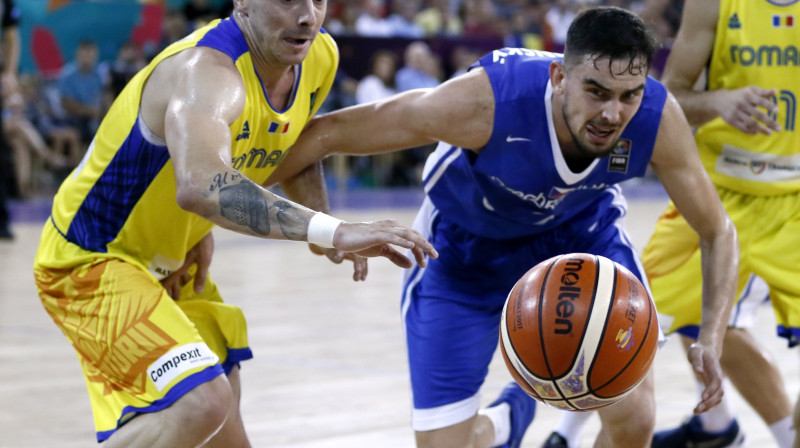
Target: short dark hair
x,y
608,31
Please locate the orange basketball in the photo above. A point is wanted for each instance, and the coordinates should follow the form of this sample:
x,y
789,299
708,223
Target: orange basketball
x,y
578,332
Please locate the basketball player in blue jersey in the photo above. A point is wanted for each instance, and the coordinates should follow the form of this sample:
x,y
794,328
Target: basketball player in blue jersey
x,y
188,144
532,147
749,144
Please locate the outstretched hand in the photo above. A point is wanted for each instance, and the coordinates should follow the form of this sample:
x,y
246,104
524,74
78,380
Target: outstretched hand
x,y
705,363
199,255
360,266
375,239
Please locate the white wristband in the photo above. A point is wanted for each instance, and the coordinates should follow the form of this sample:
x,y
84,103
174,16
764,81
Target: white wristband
x,y
321,229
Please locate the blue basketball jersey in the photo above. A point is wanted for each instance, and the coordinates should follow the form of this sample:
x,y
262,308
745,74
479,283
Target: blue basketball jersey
x,y
520,184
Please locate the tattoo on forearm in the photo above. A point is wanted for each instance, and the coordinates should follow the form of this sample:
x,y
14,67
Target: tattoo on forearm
x,y
222,179
293,225
244,204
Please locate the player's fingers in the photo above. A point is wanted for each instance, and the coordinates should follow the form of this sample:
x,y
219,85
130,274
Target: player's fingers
x,y
419,242
712,396
185,278
762,123
174,291
765,94
396,257
419,255
200,278
360,268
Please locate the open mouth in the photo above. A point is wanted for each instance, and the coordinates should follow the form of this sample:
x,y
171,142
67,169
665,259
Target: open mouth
x,y
600,133
297,41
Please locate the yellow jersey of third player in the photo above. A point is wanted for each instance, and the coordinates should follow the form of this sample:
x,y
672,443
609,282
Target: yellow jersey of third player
x,y
756,43
120,201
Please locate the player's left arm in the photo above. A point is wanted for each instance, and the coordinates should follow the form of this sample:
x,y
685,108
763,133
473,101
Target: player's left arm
x,y
459,111
677,165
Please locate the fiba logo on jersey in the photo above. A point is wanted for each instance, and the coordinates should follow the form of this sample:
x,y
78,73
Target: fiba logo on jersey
x,y
618,159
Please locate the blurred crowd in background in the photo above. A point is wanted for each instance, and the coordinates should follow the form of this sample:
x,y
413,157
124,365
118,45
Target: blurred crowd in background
x,y
386,47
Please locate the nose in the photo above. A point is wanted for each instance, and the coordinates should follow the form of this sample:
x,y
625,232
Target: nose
x,y
307,13
612,111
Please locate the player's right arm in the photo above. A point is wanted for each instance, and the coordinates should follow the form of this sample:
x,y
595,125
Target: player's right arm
x,y
679,169
191,99
459,111
744,108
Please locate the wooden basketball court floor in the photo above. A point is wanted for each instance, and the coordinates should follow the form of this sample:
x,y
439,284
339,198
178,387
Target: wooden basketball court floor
x,y
329,368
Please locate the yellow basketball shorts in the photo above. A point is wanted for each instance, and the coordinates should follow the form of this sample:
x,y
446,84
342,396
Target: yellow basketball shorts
x,y
140,351
769,231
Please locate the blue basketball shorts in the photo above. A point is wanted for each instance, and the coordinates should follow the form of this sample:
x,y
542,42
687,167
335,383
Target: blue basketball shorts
x,y
451,309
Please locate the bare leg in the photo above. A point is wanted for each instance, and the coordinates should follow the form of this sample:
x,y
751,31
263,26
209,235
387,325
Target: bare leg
x,y
477,432
24,131
630,422
754,374
232,433
66,141
189,422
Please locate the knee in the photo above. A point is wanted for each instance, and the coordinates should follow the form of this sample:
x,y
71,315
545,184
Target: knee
x,y
631,422
210,404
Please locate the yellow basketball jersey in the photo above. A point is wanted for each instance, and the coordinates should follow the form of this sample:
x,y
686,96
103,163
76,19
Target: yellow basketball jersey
x,y
756,43
120,201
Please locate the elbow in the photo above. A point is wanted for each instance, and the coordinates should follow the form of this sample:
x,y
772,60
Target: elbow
x,y
190,198
725,238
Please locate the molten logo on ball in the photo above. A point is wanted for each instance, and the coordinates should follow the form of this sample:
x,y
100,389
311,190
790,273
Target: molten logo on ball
x,y
567,293
578,332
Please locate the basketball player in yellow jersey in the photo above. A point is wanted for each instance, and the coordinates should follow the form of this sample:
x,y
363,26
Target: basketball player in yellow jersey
x,y
188,144
749,142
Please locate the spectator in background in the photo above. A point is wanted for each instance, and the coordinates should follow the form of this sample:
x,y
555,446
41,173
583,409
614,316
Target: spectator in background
x,y
461,59
421,69
379,83
81,89
9,57
528,29
558,18
24,140
660,15
383,169
174,28
439,19
63,138
129,61
344,23
401,21
342,94
416,71
480,20
371,21
199,12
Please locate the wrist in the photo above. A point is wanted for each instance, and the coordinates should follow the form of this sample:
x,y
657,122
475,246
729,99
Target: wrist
x,y
322,228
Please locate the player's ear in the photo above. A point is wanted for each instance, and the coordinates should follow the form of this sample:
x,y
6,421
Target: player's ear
x,y
557,76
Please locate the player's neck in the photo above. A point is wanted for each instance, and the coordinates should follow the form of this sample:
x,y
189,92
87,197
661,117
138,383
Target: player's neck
x,y
278,87
276,77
